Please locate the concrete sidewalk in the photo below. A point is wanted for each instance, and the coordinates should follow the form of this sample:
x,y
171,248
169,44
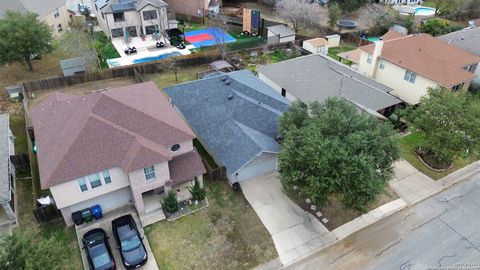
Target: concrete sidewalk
x,y
412,185
295,232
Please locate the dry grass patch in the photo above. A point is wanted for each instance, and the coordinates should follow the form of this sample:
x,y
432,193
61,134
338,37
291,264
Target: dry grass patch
x,y
226,235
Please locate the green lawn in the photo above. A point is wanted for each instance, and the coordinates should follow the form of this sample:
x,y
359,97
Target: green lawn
x,y
226,235
429,3
66,236
333,52
411,142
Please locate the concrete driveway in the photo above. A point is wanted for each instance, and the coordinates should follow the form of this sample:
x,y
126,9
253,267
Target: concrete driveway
x,y
294,232
106,224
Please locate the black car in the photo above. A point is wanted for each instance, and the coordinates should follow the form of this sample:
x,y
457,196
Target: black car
x,y
129,242
98,250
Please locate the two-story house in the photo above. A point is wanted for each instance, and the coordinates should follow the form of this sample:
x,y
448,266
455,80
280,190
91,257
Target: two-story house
x,y
135,17
410,64
112,148
7,176
53,12
194,8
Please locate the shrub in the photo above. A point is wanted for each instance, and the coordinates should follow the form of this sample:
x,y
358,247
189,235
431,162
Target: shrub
x,y
198,193
437,27
170,203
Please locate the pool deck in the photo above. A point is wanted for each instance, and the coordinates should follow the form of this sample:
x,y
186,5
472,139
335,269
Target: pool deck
x,y
145,48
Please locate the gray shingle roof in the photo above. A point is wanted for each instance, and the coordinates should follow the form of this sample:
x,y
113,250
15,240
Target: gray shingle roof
x,y
236,121
281,30
4,158
106,6
316,78
467,39
41,7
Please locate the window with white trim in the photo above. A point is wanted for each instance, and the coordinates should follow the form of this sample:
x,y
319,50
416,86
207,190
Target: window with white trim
x,y
82,184
149,15
410,76
382,64
106,177
56,13
94,180
149,173
369,58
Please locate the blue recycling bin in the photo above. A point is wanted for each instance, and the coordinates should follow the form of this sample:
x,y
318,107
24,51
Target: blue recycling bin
x,y
96,211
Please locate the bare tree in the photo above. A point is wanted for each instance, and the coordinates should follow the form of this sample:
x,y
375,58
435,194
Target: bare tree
x,y
217,31
299,13
446,6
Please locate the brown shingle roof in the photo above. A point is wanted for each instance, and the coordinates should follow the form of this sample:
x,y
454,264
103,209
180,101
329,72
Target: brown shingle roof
x,y
131,127
429,57
183,168
392,34
317,42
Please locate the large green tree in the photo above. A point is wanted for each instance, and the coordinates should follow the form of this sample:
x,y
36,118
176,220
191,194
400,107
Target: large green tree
x,y
332,149
22,37
450,122
349,5
26,249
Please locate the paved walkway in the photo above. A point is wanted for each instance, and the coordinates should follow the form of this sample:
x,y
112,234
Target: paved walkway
x,y
411,185
295,232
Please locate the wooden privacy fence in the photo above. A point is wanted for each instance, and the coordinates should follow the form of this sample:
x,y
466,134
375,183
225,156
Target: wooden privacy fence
x,y
122,72
357,40
215,174
46,213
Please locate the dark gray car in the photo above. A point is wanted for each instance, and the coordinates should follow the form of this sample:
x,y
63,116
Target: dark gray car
x,y
129,242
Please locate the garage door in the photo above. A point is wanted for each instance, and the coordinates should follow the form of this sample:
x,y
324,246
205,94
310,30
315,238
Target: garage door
x,y
108,201
262,164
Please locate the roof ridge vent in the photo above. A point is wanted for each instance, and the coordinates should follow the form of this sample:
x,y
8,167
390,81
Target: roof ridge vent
x,y
224,78
228,82
230,97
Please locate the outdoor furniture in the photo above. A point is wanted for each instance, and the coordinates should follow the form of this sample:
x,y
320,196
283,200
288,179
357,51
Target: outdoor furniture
x,y
132,50
160,44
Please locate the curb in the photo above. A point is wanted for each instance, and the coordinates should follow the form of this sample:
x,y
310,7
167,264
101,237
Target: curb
x,y
358,224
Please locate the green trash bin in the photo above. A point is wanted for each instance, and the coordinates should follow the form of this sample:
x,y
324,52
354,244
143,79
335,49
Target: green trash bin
x,y
87,215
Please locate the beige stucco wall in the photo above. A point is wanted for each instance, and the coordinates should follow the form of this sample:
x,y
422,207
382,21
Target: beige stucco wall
x,y
63,19
69,193
139,184
132,18
392,76
315,49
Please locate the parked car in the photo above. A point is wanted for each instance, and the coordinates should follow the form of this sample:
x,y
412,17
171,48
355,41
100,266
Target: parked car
x,y
98,250
129,242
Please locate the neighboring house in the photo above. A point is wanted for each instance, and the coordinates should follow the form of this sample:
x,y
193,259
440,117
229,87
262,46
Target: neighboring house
x,y
7,175
316,77
135,17
235,118
467,39
52,12
411,64
111,148
316,45
279,34
195,8
72,66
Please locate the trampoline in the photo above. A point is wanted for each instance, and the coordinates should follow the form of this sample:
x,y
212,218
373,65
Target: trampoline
x,y
207,37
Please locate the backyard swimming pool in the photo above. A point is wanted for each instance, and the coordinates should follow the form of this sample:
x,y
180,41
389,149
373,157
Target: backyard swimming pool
x,y
424,11
154,58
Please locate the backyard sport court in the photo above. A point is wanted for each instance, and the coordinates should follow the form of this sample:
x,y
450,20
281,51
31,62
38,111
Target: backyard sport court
x,y
207,37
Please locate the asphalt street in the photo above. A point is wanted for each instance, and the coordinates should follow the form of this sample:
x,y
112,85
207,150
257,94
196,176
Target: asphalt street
x,y
442,232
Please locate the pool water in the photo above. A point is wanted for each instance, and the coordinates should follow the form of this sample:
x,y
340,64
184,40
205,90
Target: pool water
x,y
424,11
373,39
155,58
